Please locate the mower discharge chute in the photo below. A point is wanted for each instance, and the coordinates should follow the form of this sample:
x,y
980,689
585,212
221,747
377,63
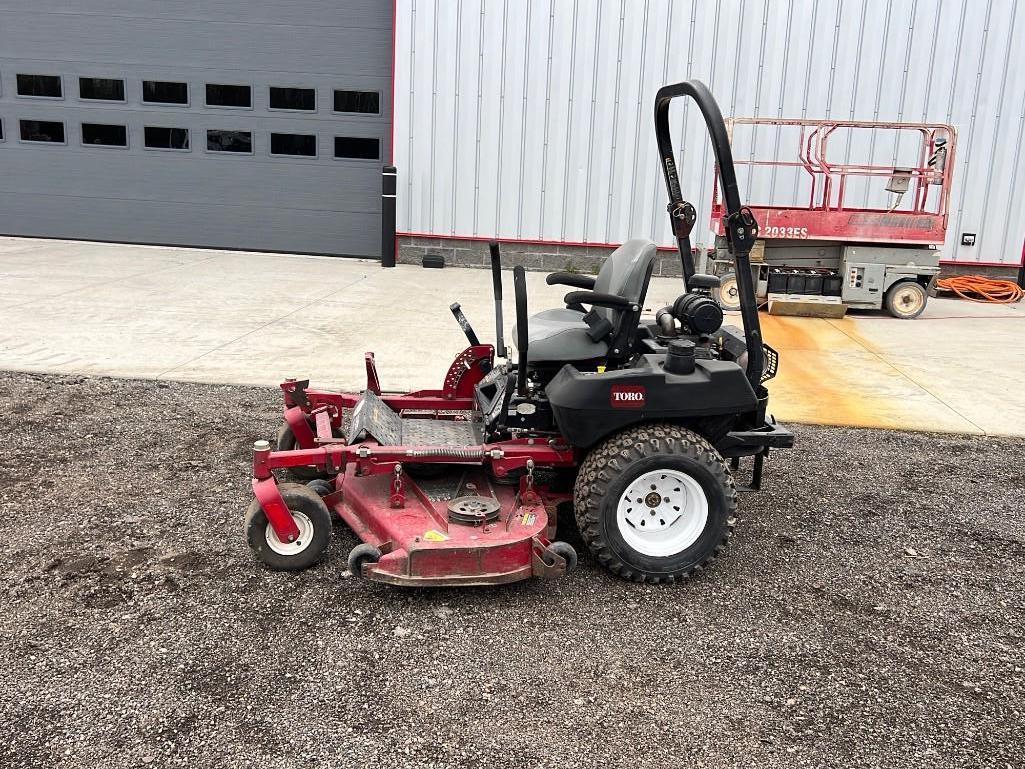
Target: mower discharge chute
x,y
638,424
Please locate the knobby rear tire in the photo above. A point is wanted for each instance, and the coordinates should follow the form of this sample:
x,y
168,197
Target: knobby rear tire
x,y
615,463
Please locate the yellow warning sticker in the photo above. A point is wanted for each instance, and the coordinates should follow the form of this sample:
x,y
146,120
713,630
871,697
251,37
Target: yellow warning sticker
x,y
435,536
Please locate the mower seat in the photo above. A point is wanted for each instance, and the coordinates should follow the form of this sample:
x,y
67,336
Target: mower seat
x,y
563,335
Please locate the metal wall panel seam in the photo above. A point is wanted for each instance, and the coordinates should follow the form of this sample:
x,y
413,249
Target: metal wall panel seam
x,y
807,80
879,94
957,192
932,59
1014,182
832,59
431,175
736,59
711,85
957,62
758,91
591,131
548,105
904,80
569,118
996,130
454,181
907,62
779,108
656,218
966,149
480,111
412,121
523,121
501,120
615,118
640,112
857,74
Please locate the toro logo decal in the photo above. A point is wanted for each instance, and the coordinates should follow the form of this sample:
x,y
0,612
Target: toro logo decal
x,y
627,397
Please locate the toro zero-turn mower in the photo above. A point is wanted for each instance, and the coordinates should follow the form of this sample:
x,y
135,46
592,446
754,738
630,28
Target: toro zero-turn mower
x,y
639,424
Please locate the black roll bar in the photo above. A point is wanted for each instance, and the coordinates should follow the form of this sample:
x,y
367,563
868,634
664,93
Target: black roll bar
x,y
740,225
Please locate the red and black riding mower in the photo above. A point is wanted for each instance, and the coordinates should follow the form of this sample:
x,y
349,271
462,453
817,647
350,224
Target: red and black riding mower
x,y
637,424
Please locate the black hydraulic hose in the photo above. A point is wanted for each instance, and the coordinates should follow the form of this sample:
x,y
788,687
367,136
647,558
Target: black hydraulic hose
x,y
522,336
496,277
741,228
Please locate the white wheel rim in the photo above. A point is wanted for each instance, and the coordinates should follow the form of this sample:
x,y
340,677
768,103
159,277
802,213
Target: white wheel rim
x,y
662,513
728,291
908,300
305,526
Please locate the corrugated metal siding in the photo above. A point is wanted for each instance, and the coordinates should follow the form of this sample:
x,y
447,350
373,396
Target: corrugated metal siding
x,y
531,119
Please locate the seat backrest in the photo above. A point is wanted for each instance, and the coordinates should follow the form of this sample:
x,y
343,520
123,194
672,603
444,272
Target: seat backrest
x,y
626,272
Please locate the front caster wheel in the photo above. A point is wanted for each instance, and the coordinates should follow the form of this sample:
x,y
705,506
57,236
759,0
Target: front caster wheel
x,y
311,517
655,503
360,555
565,551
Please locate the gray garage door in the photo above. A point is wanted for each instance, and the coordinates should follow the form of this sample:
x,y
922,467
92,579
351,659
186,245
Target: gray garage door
x,y
250,124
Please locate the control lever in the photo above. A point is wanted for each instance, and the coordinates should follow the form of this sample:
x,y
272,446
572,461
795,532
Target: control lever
x,y
496,276
464,324
522,334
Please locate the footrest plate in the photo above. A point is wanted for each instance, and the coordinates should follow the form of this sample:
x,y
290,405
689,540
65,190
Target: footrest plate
x,y
371,418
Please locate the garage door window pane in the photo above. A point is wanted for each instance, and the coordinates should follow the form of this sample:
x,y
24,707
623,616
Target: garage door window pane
x,y
367,102
357,147
229,141
42,131
44,86
104,135
228,95
163,92
293,144
293,98
101,88
160,138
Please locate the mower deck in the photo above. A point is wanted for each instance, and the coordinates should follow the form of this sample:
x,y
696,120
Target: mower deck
x,y
422,545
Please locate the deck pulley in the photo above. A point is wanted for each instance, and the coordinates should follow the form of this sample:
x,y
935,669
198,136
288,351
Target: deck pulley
x,y
473,510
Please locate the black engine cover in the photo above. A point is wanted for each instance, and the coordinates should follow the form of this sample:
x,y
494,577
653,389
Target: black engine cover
x,y
588,406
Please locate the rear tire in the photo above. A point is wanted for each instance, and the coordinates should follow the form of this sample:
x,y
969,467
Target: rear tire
x,y
639,537
906,300
311,516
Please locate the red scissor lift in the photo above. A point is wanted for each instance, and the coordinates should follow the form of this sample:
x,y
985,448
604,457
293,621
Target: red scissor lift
x,y
826,250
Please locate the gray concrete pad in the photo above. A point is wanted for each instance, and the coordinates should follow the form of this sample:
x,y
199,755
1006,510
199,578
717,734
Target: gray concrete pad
x,y
251,318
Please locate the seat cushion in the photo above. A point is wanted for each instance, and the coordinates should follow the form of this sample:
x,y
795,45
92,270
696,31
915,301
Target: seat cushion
x,y
560,335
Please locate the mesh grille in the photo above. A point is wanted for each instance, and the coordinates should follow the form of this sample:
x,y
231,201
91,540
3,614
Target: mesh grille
x,y
771,363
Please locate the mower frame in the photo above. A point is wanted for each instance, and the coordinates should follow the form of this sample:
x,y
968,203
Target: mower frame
x,y
406,534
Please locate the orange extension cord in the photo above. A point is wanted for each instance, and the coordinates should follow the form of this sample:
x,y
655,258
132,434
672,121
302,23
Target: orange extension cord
x,y
976,288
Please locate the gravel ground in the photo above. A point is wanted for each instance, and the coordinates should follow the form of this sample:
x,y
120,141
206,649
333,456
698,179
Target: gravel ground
x,y
868,613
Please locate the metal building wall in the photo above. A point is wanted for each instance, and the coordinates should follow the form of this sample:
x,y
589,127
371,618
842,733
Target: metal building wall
x,y
532,119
